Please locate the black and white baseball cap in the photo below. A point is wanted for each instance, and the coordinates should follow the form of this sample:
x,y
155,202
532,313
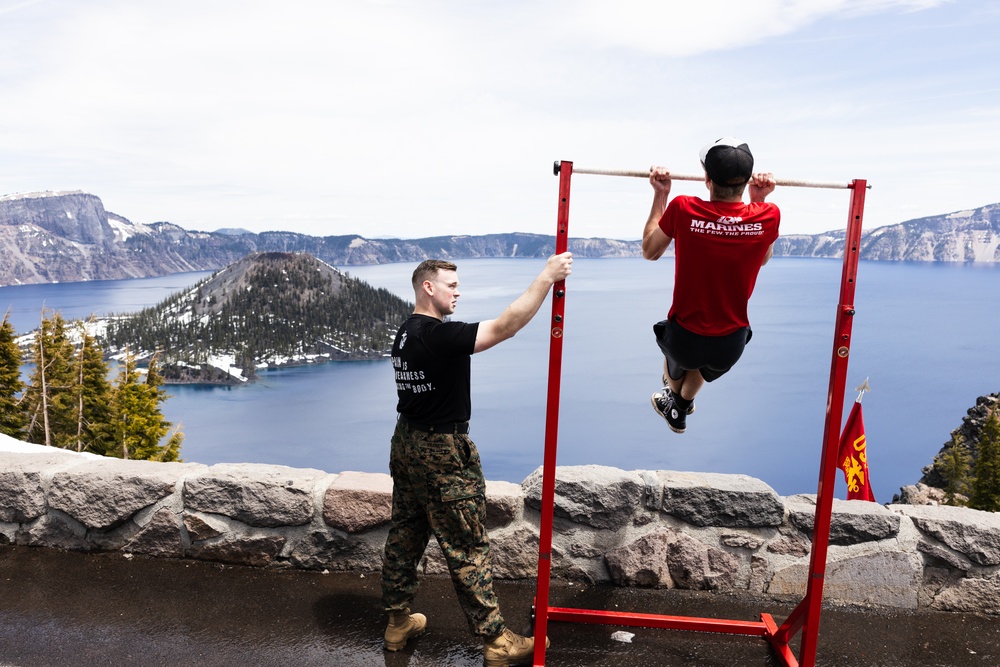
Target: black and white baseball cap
x,y
727,161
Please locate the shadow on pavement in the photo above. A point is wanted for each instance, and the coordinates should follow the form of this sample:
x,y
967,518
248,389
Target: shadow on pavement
x,y
70,609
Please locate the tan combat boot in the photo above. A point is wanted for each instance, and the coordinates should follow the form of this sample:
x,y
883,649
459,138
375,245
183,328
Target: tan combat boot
x,y
508,648
402,626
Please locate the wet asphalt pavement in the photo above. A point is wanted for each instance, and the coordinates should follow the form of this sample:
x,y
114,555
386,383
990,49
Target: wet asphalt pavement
x,y
69,609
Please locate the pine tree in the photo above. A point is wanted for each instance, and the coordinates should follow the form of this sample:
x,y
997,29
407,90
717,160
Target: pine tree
x,y
92,392
171,449
986,485
49,399
953,464
137,425
12,415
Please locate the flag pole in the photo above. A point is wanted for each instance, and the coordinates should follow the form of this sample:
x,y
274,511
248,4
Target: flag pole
x,y
862,389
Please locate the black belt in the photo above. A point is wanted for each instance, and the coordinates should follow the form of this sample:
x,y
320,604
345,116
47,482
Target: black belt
x,y
460,428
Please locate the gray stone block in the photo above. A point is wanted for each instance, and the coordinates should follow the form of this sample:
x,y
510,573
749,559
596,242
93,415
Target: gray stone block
x,y
258,495
852,521
104,493
592,495
973,533
713,499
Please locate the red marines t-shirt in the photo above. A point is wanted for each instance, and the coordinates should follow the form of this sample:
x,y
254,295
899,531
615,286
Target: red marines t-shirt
x,y
718,250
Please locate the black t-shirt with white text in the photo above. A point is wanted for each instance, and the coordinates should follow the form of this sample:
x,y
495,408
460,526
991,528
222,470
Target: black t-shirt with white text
x,y
432,364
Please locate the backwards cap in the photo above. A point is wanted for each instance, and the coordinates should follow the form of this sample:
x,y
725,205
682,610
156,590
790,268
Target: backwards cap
x,y
727,161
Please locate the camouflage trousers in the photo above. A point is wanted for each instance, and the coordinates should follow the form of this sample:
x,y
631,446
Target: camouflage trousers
x,y
438,489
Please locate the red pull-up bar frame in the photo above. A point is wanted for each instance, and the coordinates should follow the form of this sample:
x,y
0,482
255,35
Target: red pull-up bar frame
x,y
805,617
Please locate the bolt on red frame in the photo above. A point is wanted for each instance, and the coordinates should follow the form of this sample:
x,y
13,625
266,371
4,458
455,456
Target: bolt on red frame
x,y
805,617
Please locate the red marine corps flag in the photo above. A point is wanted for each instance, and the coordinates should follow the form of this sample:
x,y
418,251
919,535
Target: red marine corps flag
x,y
854,453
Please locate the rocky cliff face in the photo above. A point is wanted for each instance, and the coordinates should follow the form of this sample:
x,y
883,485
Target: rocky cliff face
x,y
964,236
68,236
967,435
74,216
45,237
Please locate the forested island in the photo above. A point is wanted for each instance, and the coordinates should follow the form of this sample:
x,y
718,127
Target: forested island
x,y
266,310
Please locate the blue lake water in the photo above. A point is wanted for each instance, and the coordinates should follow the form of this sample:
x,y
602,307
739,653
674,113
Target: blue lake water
x,y
924,333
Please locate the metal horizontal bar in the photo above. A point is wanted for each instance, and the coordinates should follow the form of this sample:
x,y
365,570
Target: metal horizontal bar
x,y
834,185
603,617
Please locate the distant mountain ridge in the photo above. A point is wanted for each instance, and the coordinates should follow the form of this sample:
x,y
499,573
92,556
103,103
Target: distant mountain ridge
x,y
964,236
69,236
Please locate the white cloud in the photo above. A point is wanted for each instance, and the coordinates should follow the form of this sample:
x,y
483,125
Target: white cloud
x,y
693,28
419,118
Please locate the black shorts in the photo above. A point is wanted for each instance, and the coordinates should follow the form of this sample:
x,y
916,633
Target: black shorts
x,y
687,351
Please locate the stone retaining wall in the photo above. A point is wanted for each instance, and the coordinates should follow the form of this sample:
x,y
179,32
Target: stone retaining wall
x,y
663,529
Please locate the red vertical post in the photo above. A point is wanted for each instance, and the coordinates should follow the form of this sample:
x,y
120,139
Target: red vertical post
x,y
565,172
805,617
807,614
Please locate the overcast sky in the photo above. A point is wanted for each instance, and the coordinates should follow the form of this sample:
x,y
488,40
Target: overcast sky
x,y
412,118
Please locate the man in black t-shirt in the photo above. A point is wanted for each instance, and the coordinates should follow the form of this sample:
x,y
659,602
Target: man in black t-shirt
x,y
438,484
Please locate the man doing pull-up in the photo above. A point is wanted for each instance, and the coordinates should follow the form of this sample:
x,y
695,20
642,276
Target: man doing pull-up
x,y
719,247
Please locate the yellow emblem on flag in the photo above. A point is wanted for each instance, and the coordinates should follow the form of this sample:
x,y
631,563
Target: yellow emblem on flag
x,y
854,457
